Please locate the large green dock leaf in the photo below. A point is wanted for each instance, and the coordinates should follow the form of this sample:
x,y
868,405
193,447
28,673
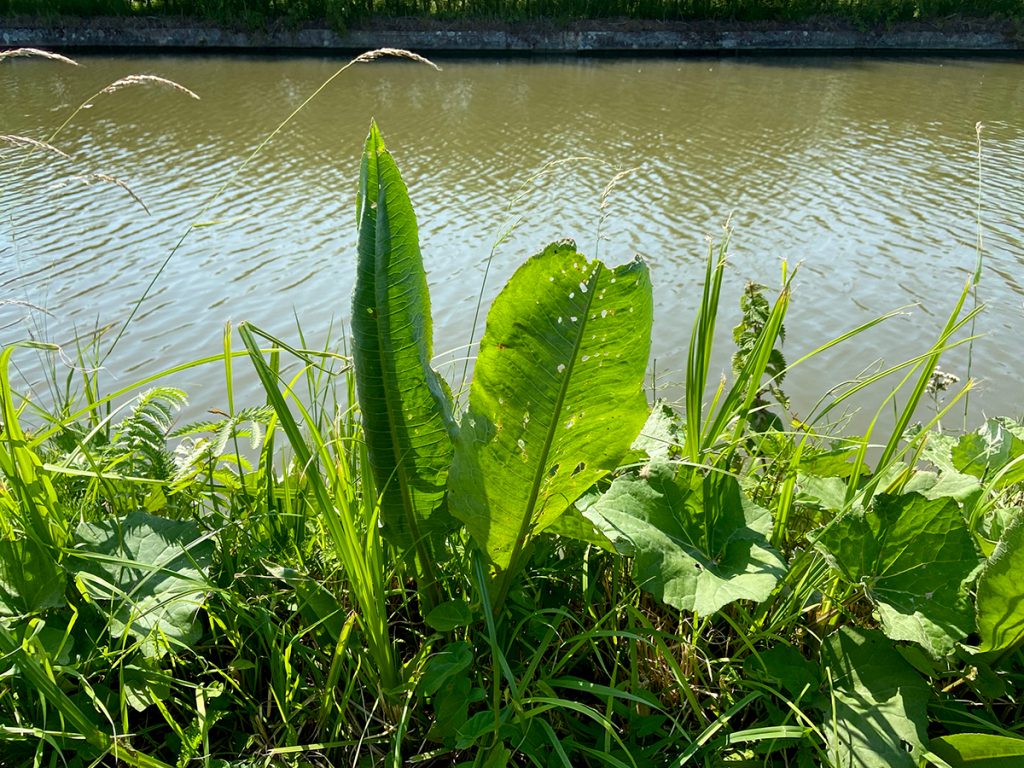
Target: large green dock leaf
x,y
557,397
877,706
405,405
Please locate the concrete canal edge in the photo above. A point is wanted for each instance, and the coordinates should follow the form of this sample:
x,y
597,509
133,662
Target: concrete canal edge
x,y
590,37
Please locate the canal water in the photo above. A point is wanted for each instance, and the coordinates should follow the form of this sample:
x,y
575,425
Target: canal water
x,y
863,174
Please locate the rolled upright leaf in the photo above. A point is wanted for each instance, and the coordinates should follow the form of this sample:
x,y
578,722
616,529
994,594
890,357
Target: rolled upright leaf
x,y
557,397
405,405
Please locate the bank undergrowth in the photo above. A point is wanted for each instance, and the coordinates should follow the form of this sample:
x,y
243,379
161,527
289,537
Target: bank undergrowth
x,y
340,13
549,570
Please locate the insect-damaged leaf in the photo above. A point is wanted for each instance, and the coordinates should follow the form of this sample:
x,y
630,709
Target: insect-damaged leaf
x,y
557,395
697,541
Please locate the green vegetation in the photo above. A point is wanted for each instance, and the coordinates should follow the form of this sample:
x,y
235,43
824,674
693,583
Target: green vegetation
x,y
368,570
340,12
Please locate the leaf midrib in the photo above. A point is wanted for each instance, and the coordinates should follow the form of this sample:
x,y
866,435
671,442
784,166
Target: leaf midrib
x,y
541,469
389,374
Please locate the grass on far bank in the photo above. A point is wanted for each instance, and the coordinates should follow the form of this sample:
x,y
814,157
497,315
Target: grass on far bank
x,y
342,13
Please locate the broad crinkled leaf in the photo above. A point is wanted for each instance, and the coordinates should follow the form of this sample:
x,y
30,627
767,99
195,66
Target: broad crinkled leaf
x,y
147,574
944,485
914,557
1001,592
557,395
938,449
662,435
876,715
992,452
829,493
698,542
30,579
405,405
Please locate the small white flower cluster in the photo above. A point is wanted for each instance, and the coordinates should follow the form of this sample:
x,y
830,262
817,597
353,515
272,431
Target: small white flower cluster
x,y
941,381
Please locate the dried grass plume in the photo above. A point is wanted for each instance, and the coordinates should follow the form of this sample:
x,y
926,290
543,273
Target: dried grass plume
x,y
18,52
130,80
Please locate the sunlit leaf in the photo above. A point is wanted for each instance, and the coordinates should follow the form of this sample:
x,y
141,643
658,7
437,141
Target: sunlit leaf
x,y
914,557
979,750
698,543
557,396
1001,592
147,574
405,405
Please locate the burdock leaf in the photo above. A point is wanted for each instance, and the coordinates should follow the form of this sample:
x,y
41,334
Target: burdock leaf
x,y
1001,592
915,558
876,716
147,575
30,579
698,543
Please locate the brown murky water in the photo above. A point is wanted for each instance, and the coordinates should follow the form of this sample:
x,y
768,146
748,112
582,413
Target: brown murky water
x,y
863,171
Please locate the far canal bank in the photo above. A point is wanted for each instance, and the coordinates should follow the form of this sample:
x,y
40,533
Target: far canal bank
x,y
594,37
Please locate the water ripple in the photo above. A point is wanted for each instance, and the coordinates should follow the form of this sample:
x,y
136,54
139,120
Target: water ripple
x,y
863,172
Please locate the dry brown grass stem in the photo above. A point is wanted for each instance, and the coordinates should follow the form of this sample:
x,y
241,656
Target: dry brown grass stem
x,y
88,179
25,141
18,52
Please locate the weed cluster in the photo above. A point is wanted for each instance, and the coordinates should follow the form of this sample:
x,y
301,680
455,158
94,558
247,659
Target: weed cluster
x,y
344,12
357,572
